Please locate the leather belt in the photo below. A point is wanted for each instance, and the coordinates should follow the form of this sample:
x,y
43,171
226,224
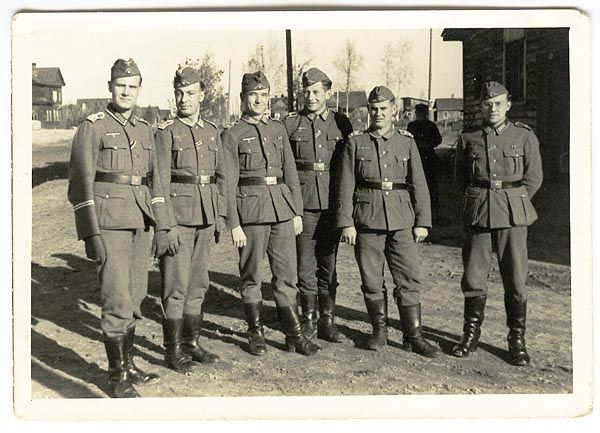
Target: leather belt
x,y
255,181
122,178
201,180
386,186
496,184
312,166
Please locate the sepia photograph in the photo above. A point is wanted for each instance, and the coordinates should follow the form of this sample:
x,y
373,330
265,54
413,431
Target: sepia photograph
x,y
370,214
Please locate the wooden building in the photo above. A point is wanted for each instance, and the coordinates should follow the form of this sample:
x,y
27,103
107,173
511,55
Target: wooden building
x,y
408,107
46,92
447,109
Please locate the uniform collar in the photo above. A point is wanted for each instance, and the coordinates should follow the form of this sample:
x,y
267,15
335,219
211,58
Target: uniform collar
x,y
323,114
253,121
119,117
186,121
497,130
387,134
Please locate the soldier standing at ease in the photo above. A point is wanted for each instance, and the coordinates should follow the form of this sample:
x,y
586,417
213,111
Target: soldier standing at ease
x,y
262,178
192,170
498,169
427,136
383,208
117,196
316,135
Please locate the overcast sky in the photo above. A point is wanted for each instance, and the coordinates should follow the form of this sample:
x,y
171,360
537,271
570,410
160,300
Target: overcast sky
x,y
84,54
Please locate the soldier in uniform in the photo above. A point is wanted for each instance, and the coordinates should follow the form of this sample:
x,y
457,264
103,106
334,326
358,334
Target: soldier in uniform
x,y
316,135
117,196
383,208
192,171
264,213
498,169
427,136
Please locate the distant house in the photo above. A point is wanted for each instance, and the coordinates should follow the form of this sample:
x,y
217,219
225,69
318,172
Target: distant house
x,y
92,105
47,84
153,114
279,107
447,109
534,65
353,99
408,107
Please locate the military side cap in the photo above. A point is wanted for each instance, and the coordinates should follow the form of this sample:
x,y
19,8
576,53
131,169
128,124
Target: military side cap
x,y
491,89
380,94
187,76
254,81
124,68
313,76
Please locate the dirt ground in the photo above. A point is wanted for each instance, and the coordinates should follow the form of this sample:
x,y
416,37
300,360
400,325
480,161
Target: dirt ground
x,y
68,359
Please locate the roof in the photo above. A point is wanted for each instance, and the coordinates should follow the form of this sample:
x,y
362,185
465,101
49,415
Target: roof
x,y
50,77
409,102
279,103
448,104
356,98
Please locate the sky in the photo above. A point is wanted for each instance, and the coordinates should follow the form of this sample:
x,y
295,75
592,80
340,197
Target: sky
x,y
84,54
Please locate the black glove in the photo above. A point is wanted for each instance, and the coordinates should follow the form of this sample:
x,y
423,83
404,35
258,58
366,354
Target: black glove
x,y
94,249
160,243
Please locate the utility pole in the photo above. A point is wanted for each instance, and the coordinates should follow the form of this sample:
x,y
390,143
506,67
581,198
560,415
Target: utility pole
x,y
290,75
429,86
229,93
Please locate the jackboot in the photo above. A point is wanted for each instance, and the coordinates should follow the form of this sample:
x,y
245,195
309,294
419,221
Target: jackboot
x,y
412,340
378,316
175,359
308,303
474,314
190,344
295,340
256,335
516,315
116,352
135,374
326,326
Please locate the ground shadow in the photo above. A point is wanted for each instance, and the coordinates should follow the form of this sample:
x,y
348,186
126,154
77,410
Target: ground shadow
x,y
52,171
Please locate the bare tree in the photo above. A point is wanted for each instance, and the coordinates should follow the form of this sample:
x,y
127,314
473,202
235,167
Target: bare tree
x,y
268,58
348,64
303,57
396,68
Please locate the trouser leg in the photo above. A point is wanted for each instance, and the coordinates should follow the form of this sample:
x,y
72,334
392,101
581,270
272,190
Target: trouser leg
x,y
477,260
175,274
251,256
282,259
306,244
403,260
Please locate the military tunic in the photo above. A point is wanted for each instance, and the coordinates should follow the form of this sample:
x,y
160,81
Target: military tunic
x,y
261,149
121,213
495,216
317,140
384,218
185,150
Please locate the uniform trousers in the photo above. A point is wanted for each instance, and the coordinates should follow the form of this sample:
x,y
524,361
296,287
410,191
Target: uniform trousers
x,y
277,241
317,248
373,248
184,276
123,278
510,245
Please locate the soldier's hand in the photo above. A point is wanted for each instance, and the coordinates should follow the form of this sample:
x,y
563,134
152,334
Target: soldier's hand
x,y
349,235
94,249
160,243
174,242
420,233
298,227
238,236
217,236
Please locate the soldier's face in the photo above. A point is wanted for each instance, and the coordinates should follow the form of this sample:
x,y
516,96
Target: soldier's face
x,y
255,103
495,109
315,97
382,114
125,92
188,99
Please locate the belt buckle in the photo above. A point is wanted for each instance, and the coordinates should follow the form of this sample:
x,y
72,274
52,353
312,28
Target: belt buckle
x,y
387,185
136,180
319,166
271,180
495,184
204,179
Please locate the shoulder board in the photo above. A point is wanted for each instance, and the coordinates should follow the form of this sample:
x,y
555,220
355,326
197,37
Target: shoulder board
x,y
523,125
405,132
142,120
291,114
276,120
355,133
166,123
209,122
96,116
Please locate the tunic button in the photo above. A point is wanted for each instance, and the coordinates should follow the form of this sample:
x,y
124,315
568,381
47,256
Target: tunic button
x,y
267,153
385,179
387,193
404,159
385,165
201,156
136,156
494,175
384,152
320,145
320,174
493,160
180,149
106,196
115,147
320,160
174,194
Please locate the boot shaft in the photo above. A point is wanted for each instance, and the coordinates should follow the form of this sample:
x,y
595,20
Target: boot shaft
x,y
377,311
308,304
116,352
253,315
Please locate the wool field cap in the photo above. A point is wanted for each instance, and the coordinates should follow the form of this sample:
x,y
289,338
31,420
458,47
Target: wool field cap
x,y
491,89
313,76
380,94
187,76
254,81
124,68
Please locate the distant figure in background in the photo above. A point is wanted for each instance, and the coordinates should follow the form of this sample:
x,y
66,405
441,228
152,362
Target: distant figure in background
x,y
427,136
498,169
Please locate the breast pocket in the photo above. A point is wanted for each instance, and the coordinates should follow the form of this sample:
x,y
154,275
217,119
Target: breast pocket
x,y
213,151
278,144
301,146
477,157
147,146
402,164
365,163
183,156
114,153
513,161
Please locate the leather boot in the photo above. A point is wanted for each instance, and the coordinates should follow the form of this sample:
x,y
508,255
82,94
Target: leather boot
x,y
326,327
295,340
256,335
474,314
136,376
516,315
116,351
190,344
308,303
412,340
378,316
175,359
